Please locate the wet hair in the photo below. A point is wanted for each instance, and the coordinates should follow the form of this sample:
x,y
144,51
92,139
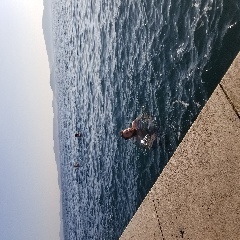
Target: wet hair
x,y
134,133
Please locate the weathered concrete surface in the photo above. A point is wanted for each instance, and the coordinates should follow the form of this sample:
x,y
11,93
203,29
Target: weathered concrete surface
x,y
197,196
146,213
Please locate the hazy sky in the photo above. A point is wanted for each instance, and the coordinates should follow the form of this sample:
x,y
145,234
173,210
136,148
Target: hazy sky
x,y
29,191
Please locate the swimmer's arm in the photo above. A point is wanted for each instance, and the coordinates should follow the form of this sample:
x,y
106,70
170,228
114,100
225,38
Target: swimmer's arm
x,y
135,122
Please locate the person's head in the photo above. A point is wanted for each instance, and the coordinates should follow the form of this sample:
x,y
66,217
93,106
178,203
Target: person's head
x,y
77,135
128,133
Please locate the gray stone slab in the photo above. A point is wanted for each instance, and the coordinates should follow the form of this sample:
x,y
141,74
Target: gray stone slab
x,y
231,84
197,195
145,224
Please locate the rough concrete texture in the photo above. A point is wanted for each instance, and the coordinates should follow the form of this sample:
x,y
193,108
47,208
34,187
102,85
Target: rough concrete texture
x,y
197,196
146,213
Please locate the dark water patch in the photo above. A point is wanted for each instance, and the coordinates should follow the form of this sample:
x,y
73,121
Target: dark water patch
x,y
227,46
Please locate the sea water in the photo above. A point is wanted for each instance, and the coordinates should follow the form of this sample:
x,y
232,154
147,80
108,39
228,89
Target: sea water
x,y
112,57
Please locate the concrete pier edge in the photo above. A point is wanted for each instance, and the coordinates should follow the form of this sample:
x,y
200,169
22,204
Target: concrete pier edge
x,y
197,196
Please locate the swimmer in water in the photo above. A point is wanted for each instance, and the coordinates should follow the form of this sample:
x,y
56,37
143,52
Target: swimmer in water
x,y
131,132
141,131
128,133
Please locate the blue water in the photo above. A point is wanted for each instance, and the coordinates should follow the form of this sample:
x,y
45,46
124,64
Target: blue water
x,y
111,59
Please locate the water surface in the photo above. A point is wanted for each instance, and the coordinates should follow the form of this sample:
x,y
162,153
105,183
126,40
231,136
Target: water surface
x,y
111,59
